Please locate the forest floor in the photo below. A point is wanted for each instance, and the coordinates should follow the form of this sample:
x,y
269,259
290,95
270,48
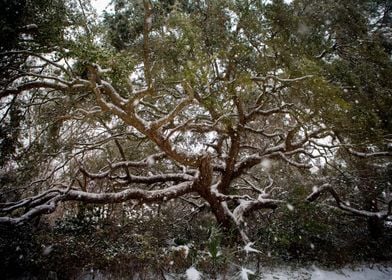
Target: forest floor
x,y
349,272
357,272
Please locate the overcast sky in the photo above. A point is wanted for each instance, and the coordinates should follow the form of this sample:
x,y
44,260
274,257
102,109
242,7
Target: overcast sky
x,y
100,5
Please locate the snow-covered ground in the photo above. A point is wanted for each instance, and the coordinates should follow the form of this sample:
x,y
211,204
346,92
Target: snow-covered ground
x,y
358,272
363,272
354,272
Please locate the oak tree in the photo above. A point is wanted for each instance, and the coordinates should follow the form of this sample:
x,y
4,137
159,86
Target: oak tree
x,y
195,100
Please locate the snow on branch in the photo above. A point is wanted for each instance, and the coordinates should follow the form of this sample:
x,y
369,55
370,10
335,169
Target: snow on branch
x,y
170,117
30,201
98,198
151,179
327,188
34,212
247,206
257,78
147,162
249,249
34,85
369,155
113,94
265,134
259,112
293,162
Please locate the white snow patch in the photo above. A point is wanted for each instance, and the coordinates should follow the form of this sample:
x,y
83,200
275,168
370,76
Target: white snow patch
x,y
363,272
183,248
266,164
193,274
135,102
314,169
366,271
149,21
248,248
150,161
244,273
47,250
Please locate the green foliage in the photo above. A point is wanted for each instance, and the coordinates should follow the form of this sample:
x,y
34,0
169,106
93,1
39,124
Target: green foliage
x,y
214,243
298,233
126,24
306,233
9,132
17,17
17,248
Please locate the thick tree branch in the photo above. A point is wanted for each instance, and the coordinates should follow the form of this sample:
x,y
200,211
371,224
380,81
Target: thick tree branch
x,y
327,188
101,198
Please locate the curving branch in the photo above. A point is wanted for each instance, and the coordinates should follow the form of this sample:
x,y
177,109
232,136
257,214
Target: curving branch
x,y
39,56
246,206
36,85
327,188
